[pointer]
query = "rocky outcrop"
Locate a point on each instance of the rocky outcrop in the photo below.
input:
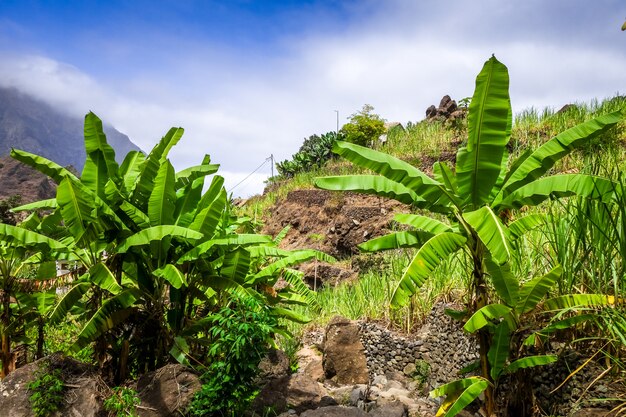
(344, 354)
(447, 112)
(166, 391)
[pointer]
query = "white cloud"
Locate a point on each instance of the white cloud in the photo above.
(241, 108)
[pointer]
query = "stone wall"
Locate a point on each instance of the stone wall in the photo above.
(440, 343)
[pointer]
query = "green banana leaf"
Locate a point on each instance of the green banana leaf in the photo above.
(444, 175)
(525, 224)
(503, 280)
(162, 202)
(396, 240)
(290, 315)
(427, 224)
(578, 300)
(131, 169)
(150, 167)
(18, 236)
(230, 241)
(395, 170)
(459, 394)
(49, 204)
(189, 175)
(96, 143)
(172, 275)
(534, 290)
(296, 257)
(544, 158)
(236, 265)
(43, 165)
(95, 175)
(491, 232)
(499, 350)
(529, 362)
(563, 185)
(370, 184)
(207, 220)
(428, 257)
(77, 209)
(489, 127)
(295, 279)
(42, 301)
(559, 325)
(485, 315)
(155, 234)
(114, 311)
(102, 276)
(69, 300)
(187, 199)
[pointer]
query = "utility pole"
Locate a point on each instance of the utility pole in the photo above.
(272, 163)
(337, 131)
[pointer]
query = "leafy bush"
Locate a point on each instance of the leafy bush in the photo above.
(364, 127)
(47, 392)
(122, 402)
(239, 339)
(313, 153)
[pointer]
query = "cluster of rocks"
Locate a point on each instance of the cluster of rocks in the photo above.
(447, 112)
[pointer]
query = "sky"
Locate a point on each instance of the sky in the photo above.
(248, 78)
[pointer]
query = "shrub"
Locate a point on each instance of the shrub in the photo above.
(46, 392)
(364, 127)
(239, 339)
(122, 402)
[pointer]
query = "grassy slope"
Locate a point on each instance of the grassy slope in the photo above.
(424, 143)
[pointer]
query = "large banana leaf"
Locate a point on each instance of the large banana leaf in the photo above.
(95, 175)
(428, 257)
(499, 350)
(395, 170)
(534, 290)
(485, 316)
(43, 165)
(503, 281)
(427, 224)
(68, 301)
(369, 184)
(172, 275)
(491, 232)
(542, 159)
(529, 362)
(150, 167)
(77, 208)
(413, 239)
(294, 278)
(459, 394)
(96, 144)
(444, 175)
(162, 202)
(559, 325)
(102, 276)
(39, 301)
(230, 241)
(489, 128)
(207, 220)
(157, 233)
(189, 175)
(187, 199)
(524, 224)
(18, 236)
(578, 300)
(236, 265)
(49, 204)
(114, 311)
(131, 169)
(563, 185)
(296, 257)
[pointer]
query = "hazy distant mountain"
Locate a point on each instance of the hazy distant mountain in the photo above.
(31, 125)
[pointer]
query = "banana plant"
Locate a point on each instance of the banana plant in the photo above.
(157, 251)
(475, 197)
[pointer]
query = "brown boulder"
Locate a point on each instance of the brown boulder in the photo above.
(298, 391)
(335, 411)
(167, 391)
(344, 355)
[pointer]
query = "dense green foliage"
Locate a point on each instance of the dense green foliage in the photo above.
(239, 338)
(46, 392)
(475, 198)
(364, 127)
(314, 153)
(123, 402)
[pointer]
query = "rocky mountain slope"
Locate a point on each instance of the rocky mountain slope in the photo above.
(34, 126)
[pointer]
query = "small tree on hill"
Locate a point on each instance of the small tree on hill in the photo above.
(364, 127)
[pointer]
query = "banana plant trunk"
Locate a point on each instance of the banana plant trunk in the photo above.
(484, 338)
(6, 338)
